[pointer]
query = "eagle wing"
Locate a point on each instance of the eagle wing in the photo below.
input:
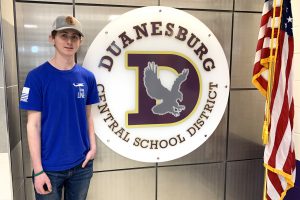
(152, 83)
(179, 80)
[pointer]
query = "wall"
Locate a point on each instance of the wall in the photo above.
(11, 173)
(229, 164)
(5, 171)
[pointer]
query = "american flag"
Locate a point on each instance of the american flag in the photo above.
(272, 75)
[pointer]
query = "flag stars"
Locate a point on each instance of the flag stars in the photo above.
(289, 19)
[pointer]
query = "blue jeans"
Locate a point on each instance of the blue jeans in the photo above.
(75, 182)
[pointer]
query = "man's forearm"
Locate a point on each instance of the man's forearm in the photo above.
(34, 140)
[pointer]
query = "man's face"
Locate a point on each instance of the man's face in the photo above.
(67, 42)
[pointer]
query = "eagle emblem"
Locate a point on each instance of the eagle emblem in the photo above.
(168, 99)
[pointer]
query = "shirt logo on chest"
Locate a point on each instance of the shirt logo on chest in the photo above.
(80, 94)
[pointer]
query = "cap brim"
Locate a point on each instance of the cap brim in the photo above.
(65, 28)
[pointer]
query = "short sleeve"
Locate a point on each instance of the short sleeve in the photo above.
(92, 96)
(31, 96)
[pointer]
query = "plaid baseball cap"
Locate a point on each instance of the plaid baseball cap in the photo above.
(67, 22)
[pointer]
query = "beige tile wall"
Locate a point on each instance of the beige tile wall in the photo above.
(11, 167)
(5, 174)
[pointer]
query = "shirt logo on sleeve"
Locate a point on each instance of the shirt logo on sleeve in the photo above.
(25, 94)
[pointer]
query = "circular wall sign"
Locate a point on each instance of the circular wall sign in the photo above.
(163, 83)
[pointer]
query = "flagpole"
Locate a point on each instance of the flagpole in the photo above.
(265, 185)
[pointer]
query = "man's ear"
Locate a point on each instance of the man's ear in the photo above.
(51, 40)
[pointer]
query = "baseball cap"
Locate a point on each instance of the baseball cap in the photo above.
(67, 22)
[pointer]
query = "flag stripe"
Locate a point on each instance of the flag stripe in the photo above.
(273, 185)
(278, 115)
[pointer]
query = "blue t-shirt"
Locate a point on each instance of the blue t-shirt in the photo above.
(61, 96)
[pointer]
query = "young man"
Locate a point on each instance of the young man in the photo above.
(58, 95)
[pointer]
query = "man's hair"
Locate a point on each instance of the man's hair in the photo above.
(53, 33)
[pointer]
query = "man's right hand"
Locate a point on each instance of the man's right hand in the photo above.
(41, 183)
